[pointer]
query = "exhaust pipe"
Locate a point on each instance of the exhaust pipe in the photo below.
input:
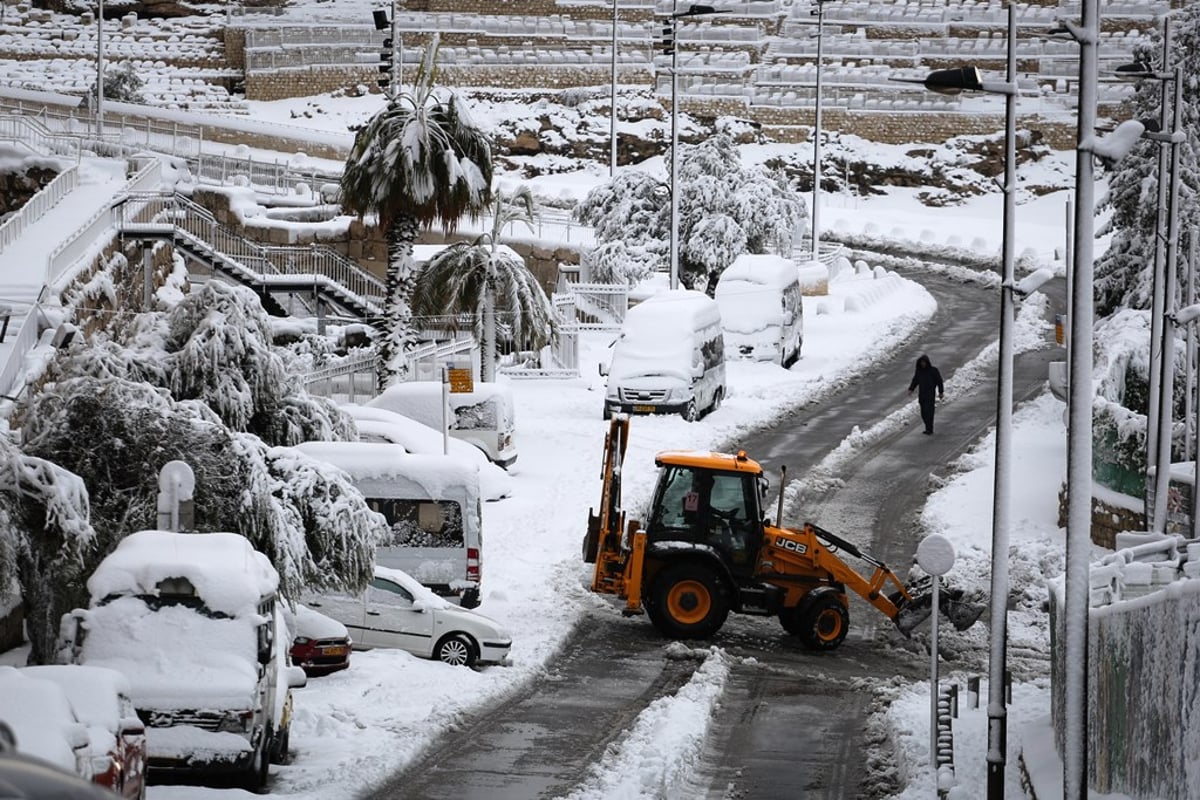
(782, 480)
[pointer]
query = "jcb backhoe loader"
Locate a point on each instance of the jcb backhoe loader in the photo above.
(706, 550)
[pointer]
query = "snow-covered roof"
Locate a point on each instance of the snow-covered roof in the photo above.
(657, 335)
(414, 587)
(227, 573)
(388, 470)
(765, 269)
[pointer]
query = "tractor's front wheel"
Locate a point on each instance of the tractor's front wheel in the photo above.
(688, 601)
(821, 620)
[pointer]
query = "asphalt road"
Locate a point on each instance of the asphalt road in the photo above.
(792, 722)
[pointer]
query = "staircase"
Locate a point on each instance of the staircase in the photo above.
(275, 273)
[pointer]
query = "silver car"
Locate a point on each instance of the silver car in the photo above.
(397, 611)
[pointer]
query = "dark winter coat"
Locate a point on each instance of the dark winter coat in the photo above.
(926, 380)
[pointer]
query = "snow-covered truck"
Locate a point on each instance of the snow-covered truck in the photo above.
(190, 619)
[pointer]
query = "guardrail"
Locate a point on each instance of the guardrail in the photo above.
(37, 206)
(90, 232)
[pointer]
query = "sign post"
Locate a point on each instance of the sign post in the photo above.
(935, 554)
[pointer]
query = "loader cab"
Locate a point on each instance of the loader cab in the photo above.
(711, 500)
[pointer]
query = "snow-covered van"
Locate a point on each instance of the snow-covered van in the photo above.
(483, 417)
(189, 619)
(762, 309)
(431, 504)
(669, 358)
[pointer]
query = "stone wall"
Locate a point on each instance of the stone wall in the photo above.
(364, 244)
(1107, 519)
(17, 188)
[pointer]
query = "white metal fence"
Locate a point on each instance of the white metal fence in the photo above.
(37, 206)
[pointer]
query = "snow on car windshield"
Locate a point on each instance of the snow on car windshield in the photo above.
(154, 648)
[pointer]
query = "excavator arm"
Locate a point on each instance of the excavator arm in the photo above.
(908, 606)
(617, 554)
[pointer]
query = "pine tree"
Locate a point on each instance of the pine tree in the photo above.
(1124, 274)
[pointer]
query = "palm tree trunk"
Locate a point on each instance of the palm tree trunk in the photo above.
(487, 367)
(397, 334)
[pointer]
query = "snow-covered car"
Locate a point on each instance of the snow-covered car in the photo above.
(396, 611)
(382, 425)
(42, 723)
(190, 620)
(26, 777)
(100, 699)
(320, 644)
(484, 417)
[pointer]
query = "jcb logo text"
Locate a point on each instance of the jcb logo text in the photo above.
(788, 544)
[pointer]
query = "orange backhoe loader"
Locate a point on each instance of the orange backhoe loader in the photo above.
(706, 550)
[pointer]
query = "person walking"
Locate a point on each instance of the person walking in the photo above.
(926, 380)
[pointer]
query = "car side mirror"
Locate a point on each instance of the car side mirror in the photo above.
(698, 371)
(296, 677)
(602, 368)
(418, 606)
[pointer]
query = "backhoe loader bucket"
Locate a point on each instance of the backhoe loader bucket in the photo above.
(961, 612)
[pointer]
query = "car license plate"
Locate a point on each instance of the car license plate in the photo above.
(336, 650)
(644, 409)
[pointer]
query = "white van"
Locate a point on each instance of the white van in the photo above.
(670, 357)
(191, 620)
(762, 309)
(431, 503)
(483, 417)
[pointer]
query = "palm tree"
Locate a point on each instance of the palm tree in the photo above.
(483, 276)
(419, 161)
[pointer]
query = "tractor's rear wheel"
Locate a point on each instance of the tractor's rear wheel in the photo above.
(688, 601)
(822, 620)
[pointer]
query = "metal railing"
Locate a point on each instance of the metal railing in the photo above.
(30, 133)
(348, 381)
(37, 206)
(26, 338)
(85, 237)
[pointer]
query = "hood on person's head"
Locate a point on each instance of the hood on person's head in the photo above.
(923, 362)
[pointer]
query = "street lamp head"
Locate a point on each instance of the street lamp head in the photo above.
(1188, 314)
(1032, 282)
(1112, 148)
(700, 10)
(954, 81)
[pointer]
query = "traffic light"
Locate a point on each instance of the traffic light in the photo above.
(385, 65)
(668, 37)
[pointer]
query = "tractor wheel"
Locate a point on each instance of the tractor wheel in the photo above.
(823, 620)
(688, 602)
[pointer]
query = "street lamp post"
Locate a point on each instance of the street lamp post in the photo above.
(612, 122)
(693, 11)
(99, 69)
(816, 204)
(1079, 414)
(1158, 294)
(1162, 474)
(954, 81)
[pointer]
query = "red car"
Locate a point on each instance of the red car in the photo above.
(320, 645)
(99, 698)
